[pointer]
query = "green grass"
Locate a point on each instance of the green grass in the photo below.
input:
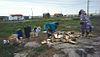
(9, 50)
(6, 29)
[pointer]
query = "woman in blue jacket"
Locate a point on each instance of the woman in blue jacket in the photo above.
(50, 28)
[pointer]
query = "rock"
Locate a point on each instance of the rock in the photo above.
(84, 41)
(64, 45)
(70, 52)
(97, 54)
(32, 44)
(89, 49)
(97, 39)
(20, 54)
(96, 43)
(60, 54)
(81, 52)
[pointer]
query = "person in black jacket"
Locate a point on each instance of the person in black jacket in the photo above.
(27, 31)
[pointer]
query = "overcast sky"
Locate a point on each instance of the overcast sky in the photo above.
(39, 7)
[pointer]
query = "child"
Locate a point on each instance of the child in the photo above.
(38, 29)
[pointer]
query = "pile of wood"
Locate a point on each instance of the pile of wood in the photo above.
(13, 40)
(69, 37)
(66, 37)
(48, 42)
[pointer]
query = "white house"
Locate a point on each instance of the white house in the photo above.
(16, 17)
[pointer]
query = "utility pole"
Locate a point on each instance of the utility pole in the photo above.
(32, 13)
(88, 7)
(99, 12)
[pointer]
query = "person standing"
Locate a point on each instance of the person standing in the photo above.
(27, 31)
(85, 23)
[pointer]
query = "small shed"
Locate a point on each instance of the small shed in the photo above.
(46, 15)
(58, 15)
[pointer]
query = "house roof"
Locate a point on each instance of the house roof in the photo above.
(16, 15)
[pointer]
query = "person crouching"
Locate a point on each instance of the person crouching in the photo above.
(50, 28)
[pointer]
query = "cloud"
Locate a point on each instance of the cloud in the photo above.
(15, 7)
(39, 7)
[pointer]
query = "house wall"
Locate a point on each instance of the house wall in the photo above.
(4, 18)
(16, 17)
